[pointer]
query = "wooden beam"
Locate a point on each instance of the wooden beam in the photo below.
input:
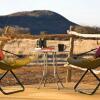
(88, 36)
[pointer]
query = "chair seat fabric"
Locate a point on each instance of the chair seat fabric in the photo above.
(90, 63)
(7, 65)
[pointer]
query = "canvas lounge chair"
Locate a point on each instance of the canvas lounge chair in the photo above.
(8, 66)
(89, 64)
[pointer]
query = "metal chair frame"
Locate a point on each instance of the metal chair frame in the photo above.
(16, 78)
(18, 81)
(88, 70)
(78, 83)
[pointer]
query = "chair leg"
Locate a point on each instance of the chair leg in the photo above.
(94, 90)
(7, 93)
(4, 75)
(97, 84)
(80, 80)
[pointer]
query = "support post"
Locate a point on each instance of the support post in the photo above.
(68, 79)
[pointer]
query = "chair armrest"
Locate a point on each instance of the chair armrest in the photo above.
(18, 55)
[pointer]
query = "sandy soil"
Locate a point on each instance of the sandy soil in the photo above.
(49, 93)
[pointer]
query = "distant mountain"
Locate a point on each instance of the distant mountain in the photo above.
(37, 21)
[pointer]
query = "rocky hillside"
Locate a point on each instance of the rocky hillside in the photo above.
(37, 21)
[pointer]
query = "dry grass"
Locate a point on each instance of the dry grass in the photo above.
(30, 75)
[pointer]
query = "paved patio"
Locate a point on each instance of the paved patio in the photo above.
(49, 93)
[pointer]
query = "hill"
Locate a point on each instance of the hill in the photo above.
(37, 21)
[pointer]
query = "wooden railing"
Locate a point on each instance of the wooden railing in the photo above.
(73, 36)
(81, 35)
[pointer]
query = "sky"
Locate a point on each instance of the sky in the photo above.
(83, 12)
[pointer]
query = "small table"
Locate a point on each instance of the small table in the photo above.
(45, 52)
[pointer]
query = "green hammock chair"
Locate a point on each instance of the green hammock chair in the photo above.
(10, 65)
(89, 64)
